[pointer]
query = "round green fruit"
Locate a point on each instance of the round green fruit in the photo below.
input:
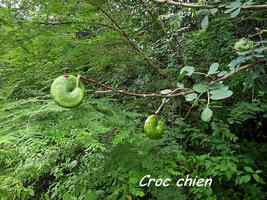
(153, 128)
(67, 91)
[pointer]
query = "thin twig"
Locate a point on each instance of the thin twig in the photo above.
(125, 35)
(103, 91)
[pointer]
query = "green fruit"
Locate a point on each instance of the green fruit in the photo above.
(67, 91)
(244, 45)
(153, 128)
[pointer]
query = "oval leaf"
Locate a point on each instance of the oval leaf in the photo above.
(213, 68)
(165, 92)
(187, 70)
(235, 13)
(248, 169)
(200, 88)
(221, 93)
(191, 97)
(258, 178)
(244, 179)
(206, 114)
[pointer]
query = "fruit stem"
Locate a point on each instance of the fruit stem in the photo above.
(77, 80)
(165, 100)
(208, 98)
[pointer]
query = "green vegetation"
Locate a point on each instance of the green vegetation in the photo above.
(190, 75)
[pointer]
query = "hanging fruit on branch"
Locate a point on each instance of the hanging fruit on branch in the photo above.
(67, 91)
(154, 128)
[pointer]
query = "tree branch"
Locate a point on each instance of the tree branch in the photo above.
(200, 6)
(174, 92)
(255, 7)
(110, 89)
(186, 5)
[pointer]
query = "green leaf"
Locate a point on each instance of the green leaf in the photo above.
(200, 88)
(244, 179)
(187, 70)
(216, 86)
(235, 13)
(233, 5)
(234, 8)
(221, 93)
(213, 69)
(191, 97)
(248, 169)
(205, 22)
(258, 179)
(206, 114)
(165, 92)
(236, 4)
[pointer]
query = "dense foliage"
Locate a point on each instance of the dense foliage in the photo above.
(204, 60)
